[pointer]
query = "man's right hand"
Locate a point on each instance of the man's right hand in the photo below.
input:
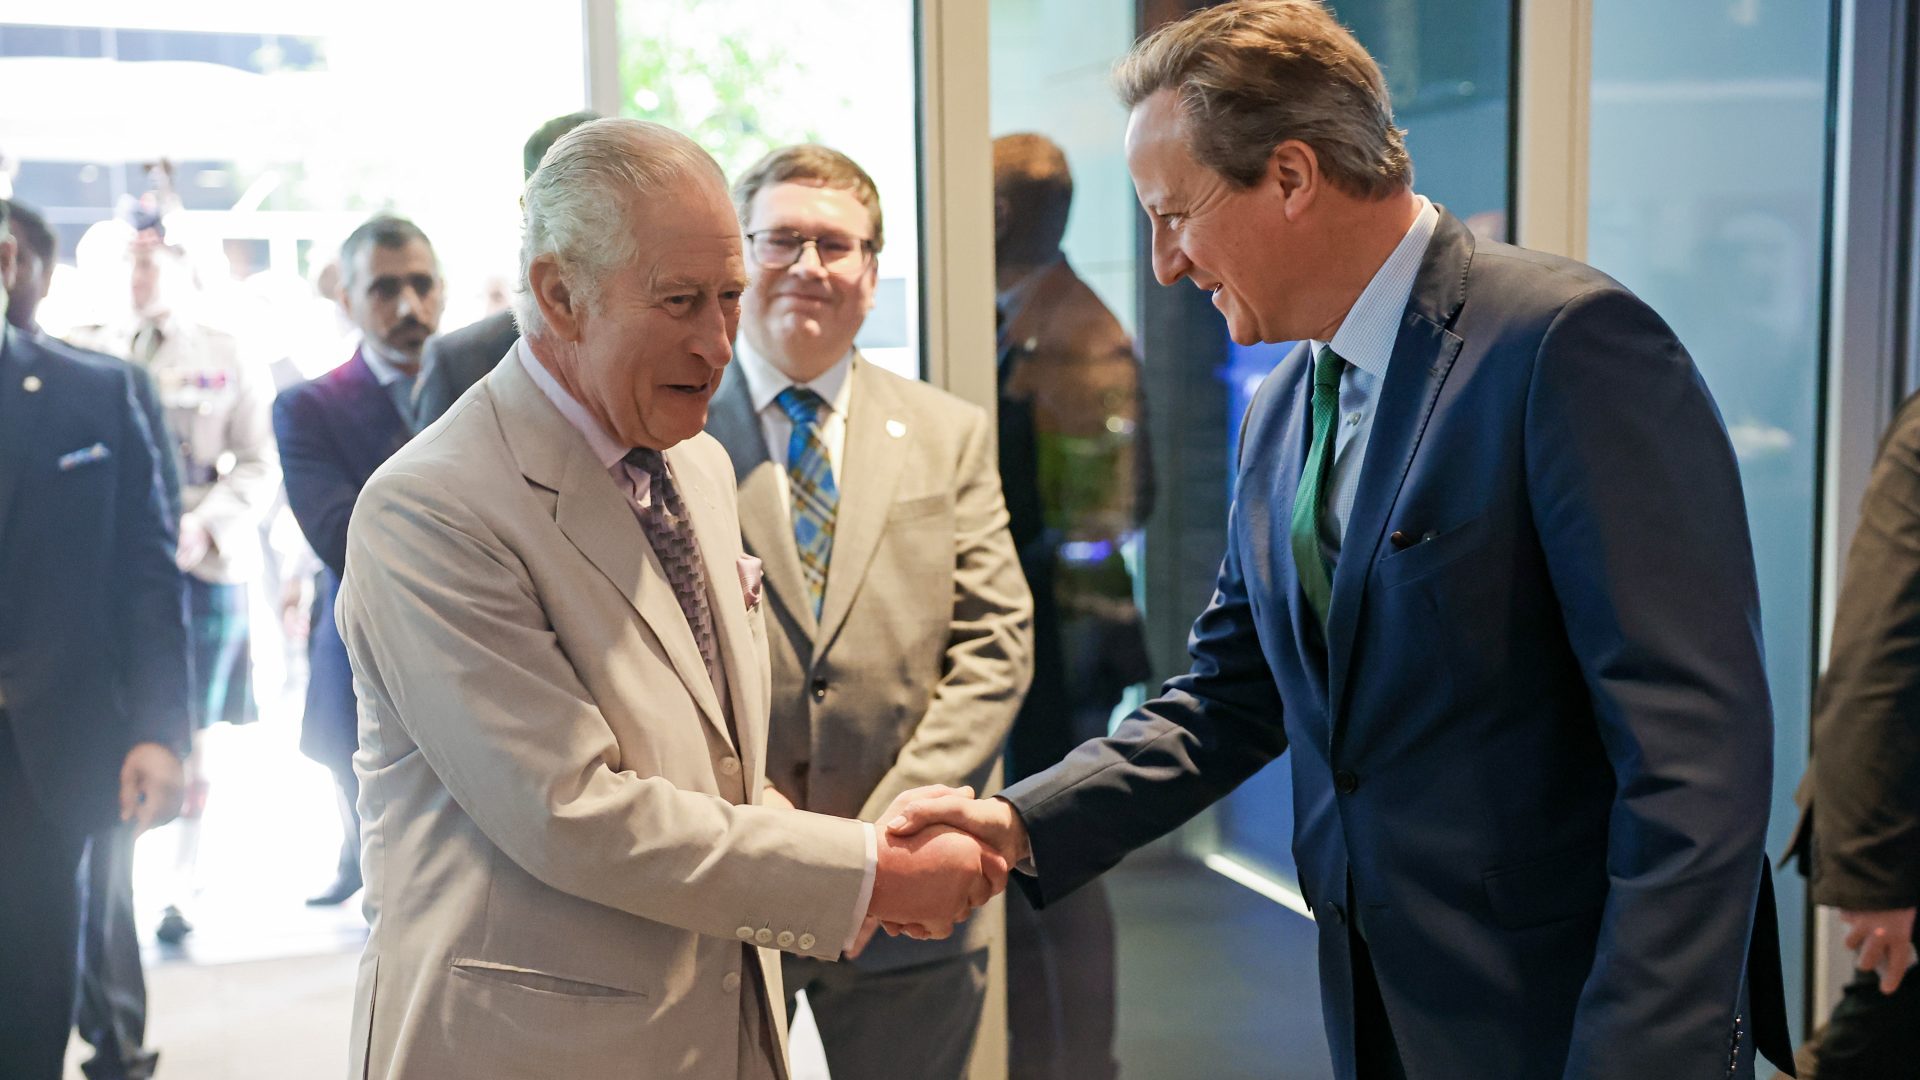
(1882, 941)
(929, 881)
(994, 821)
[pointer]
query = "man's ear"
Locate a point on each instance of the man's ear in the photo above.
(558, 306)
(1293, 175)
(9, 261)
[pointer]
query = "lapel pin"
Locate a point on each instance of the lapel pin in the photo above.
(31, 384)
(896, 429)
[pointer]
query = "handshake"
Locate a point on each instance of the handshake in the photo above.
(942, 853)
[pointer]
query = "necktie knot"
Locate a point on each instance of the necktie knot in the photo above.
(1327, 368)
(647, 460)
(801, 405)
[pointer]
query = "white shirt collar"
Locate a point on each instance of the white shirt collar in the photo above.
(606, 450)
(1366, 336)
(382, 366)
(764, 381)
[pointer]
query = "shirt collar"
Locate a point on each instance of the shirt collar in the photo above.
(382, 367)
(1365, 338)
(764, 381)
(606, 450)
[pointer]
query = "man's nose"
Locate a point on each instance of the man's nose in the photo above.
(809, 263)
(713, 341)
(1170, 264)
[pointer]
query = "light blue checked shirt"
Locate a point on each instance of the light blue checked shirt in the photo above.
(1365, 341)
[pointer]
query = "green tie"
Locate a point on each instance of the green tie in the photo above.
(1316, 573)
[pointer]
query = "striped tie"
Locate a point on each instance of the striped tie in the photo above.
(815, 497)
(670, 531)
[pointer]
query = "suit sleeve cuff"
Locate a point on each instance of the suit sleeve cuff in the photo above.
(866, 886)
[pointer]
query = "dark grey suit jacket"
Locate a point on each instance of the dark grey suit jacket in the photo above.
(924, 646)
(456, 360)
(1862, 790)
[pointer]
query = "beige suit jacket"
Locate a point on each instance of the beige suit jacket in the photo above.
(924, 645)
(218, 404)
(560, 854)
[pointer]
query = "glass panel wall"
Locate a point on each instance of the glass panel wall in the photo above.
(746, 76)
(1708, 198)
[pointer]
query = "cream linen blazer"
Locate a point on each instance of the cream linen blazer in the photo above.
(561, 852)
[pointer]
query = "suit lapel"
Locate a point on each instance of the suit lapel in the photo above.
(367, 422)
(870, 471)
(1423, 354)
(593, 513)
(20, 413)
(724, 597)
(766, 525)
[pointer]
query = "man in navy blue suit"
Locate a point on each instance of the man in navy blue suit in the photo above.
(93, 662)
(1488, 578)
(334, 431)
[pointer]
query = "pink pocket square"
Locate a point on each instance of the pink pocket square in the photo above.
(749, 568)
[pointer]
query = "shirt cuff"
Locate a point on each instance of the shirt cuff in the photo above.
(866, 886)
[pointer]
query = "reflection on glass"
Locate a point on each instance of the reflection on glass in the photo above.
(1708, 197)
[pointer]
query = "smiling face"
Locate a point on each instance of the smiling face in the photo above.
(645, 356)
(1240, 244)
(803, 318)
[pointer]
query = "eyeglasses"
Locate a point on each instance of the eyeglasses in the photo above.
(778, 249)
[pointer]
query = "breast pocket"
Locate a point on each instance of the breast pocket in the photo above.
(1430, 556)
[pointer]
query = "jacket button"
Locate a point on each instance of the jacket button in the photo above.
(731, 984)
(763, 936)
(730, 766)
(1345, 782)
(807, 941)
(819, 689)
(785, 940)
(745, 933)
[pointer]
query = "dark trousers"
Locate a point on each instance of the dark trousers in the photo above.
(347, 786)
(1060, 987)
(40, 894)
(1870, 1035)
(113, 988)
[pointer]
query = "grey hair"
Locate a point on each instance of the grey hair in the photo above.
(575, 207)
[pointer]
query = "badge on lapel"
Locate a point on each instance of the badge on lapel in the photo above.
(749, 569)
(86, 456)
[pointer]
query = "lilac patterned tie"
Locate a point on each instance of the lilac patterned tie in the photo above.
(664, 519)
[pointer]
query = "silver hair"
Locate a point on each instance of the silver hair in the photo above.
(575, 207)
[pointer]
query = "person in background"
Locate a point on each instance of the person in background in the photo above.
(1859, 834)
(112, 1012)
(93, 663)
(334, 431)
(900, 627)
(216, 410)
(456, 360)
(1075, 462)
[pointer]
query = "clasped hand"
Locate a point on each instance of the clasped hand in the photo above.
(942, 854)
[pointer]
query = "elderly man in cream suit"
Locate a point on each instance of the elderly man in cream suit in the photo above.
(902, 635)
(560, 654)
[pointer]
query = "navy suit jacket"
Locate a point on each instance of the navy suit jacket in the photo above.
(1532, 751)
(93, 639)
(334, 431)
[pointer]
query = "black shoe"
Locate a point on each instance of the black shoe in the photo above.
(174, 927)
(137, 1066)
(339, 892)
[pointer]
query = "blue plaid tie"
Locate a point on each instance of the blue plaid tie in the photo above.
(815, 496)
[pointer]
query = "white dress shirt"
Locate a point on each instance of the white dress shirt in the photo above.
(638, 487)
(1365, 341)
